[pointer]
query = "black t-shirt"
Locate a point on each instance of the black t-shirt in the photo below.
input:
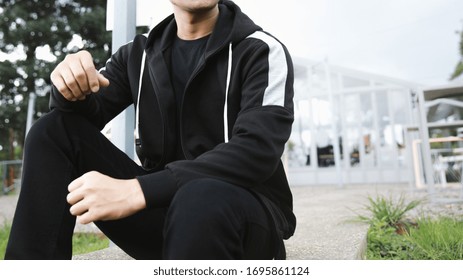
(185, 57)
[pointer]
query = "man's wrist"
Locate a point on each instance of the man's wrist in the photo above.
(137, 197)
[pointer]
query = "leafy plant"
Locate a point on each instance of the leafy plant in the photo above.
(387, 212)
(393, 237)
(386, 237)
(385, 243)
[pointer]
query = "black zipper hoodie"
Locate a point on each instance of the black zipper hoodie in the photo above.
(234, 121)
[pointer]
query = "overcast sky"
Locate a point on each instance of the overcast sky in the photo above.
(412, 40)
(407, 39)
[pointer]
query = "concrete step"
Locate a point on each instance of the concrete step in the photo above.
(356, 251)
(111, 253)
(326, 229)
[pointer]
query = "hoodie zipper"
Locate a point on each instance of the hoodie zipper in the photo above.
(197, 70)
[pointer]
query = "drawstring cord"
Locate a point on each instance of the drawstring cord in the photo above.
(225, 107)
(137, 111)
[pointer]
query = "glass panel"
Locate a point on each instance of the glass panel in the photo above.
(353, 113)
(359, 129)
(399, 106)
(387, 141)
(323, 117)
(350, 82)
(366, 148)
(402, 115)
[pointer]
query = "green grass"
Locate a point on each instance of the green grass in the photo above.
(4, 233)
(81, 242)
(393, 236)
(439, 239)
(88, 242)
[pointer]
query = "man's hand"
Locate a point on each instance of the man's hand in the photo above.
(76, 76)
(97, 197)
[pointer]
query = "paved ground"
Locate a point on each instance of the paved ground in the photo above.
(325, 231)
(327, 227)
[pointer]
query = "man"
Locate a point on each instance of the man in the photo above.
(213, 96)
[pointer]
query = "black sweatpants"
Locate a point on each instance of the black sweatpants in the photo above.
(207, 218)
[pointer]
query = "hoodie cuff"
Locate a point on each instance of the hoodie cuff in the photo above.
(158, 188)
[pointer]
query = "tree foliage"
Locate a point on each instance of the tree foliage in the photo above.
(459, 67)
(31, 27)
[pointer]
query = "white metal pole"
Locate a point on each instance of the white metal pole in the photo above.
(30, 111)
(123, 31)
(425, 145)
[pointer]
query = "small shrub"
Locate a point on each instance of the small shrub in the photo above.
(388, 212)
(392, 237)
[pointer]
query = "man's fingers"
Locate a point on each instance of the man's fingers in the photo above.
(74, 185)
(80, 77)
(64, 80)
(76, 76)
(75, 193)
(86, 218)
(102, 80)
(79, 208)
(98, 81)
(75, 196)
(59, 83)
(94, 79)
(91, 75)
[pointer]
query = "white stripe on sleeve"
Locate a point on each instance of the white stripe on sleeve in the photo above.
(278, 70)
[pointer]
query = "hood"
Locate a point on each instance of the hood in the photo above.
(235, 22)
(232, 26)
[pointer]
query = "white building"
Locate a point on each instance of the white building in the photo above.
(349, 126)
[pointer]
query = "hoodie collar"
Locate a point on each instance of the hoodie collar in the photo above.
(232, 26)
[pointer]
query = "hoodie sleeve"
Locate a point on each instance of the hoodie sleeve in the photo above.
(258, 136)
(104, 105)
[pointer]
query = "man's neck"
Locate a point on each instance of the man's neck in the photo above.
(191, 26)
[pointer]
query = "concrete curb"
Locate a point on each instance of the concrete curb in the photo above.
(111, 253)
(115, 253)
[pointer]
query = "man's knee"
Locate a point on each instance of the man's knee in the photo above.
(41, 128)
(56, 125)
(216, 219)
(204, 204)
(206, 197)
(48, 123)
